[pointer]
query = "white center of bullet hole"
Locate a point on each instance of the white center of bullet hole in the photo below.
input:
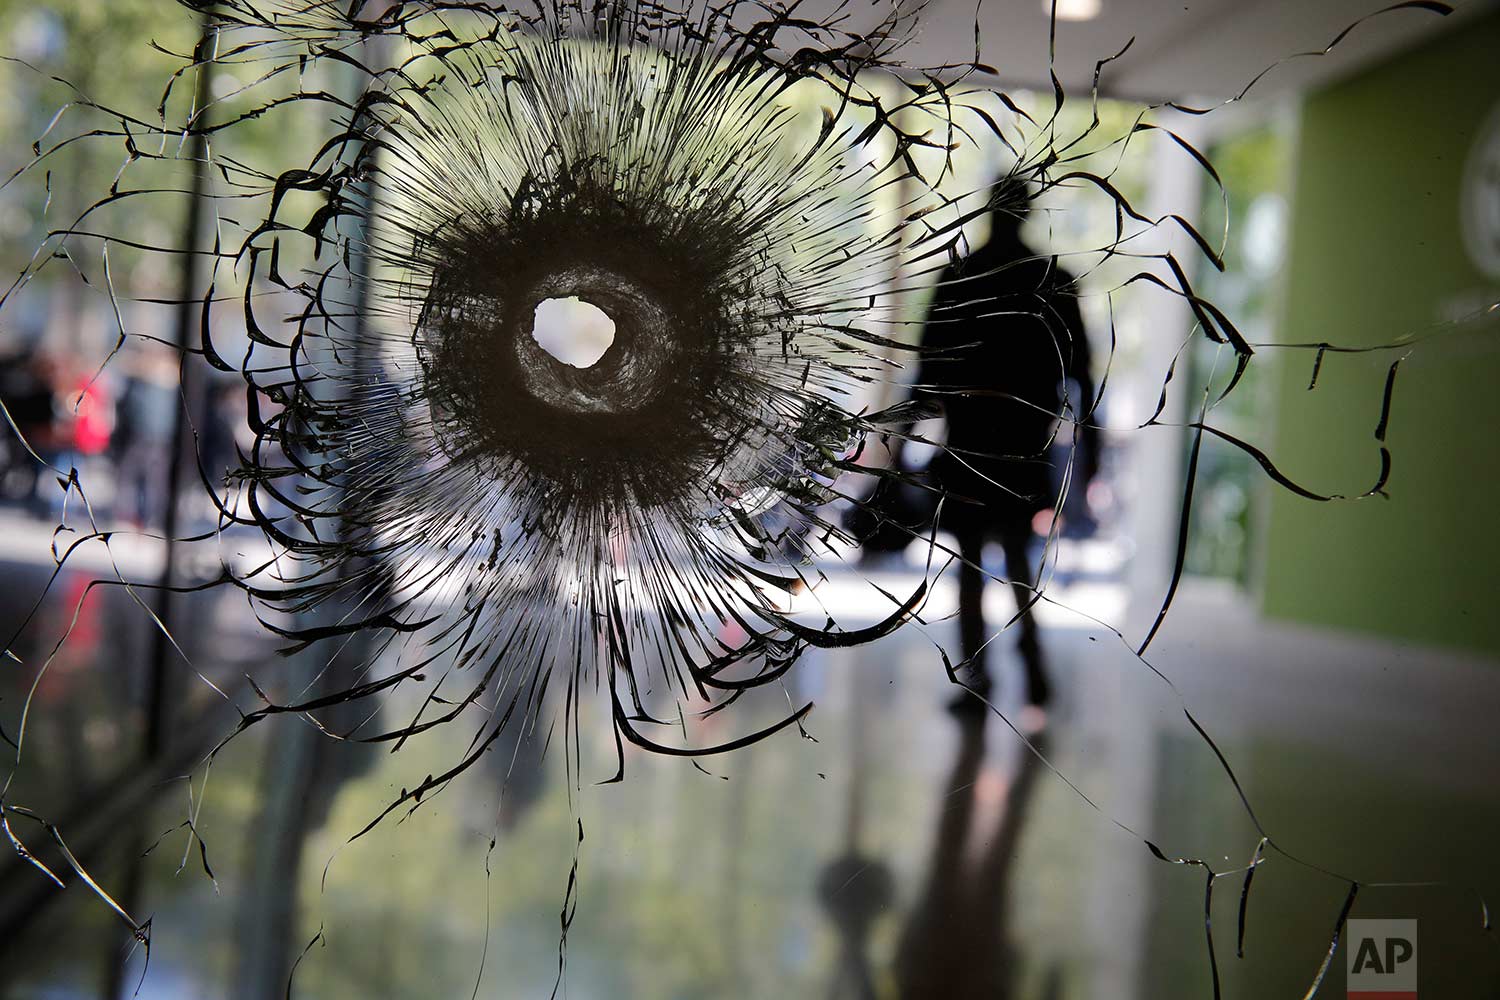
(573, 331)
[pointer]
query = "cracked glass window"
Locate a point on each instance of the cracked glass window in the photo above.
(840, 499)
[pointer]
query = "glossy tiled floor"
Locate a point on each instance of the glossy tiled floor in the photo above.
(897, 853)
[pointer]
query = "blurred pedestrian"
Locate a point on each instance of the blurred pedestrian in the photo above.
(26, 390)
(143, 434)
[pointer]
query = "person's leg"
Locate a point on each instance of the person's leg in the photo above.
(971, 631)
(1015, 540)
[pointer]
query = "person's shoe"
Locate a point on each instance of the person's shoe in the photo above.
(1032, 720)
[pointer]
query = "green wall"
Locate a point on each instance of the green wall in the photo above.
(1376, 253)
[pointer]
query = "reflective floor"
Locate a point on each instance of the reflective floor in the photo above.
(898, 852)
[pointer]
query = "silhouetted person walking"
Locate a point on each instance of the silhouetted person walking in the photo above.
(1002, 338)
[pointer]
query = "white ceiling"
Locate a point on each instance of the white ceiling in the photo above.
(1184, 49)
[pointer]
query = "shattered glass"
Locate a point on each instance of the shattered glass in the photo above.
(432, 554)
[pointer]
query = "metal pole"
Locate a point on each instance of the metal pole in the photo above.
(183, 454)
